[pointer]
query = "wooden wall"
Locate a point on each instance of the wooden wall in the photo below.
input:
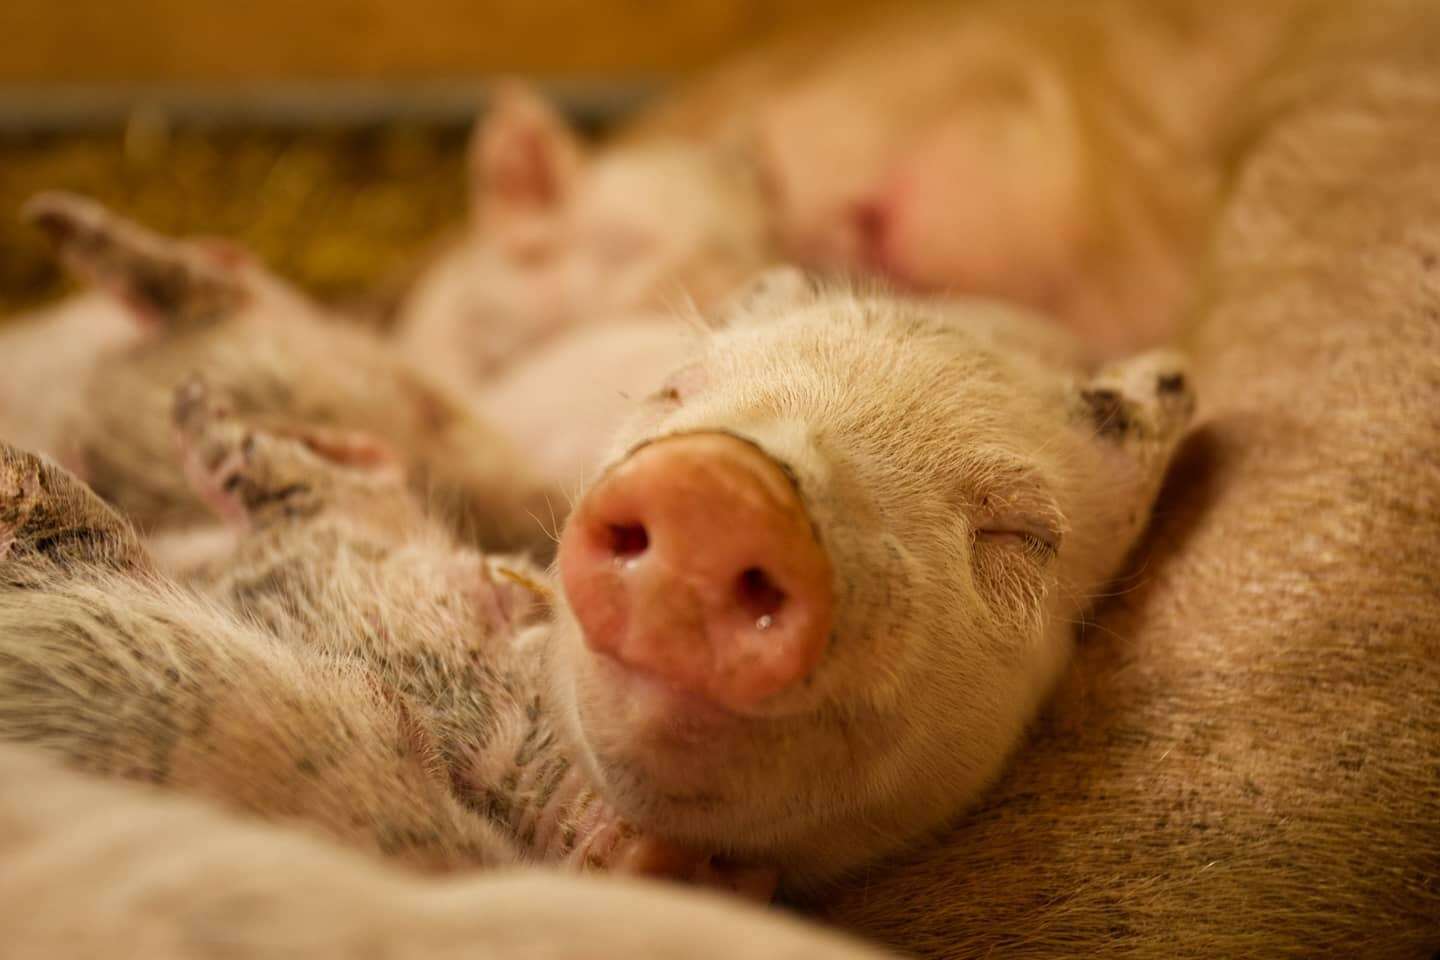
(239, 42)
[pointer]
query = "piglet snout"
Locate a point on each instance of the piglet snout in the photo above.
(694, 563)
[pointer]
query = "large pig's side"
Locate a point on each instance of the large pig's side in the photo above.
(103, 869)
(1244, 762)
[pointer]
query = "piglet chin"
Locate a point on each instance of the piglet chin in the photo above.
(659, 707)
(613, 845)
(583, 832)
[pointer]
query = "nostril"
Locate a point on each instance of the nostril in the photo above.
(628, 540)
(758, 596)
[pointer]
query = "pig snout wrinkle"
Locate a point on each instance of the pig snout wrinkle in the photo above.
(694, 562)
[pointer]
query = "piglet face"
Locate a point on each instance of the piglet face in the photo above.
(561, 239)
(830, 576)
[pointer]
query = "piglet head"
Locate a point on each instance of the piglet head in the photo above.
(830, 575)
(562, 235)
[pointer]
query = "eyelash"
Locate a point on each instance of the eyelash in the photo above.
(1035, 547)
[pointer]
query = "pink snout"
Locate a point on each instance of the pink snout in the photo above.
(694, 563)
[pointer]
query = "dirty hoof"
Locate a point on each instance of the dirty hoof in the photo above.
(253, 473)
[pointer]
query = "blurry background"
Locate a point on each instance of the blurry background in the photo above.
(327, 135)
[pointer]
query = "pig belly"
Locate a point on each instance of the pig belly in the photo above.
(562, 405)
(45, 360)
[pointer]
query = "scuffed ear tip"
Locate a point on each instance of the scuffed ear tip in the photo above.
(1174, 386)
(1153, 388)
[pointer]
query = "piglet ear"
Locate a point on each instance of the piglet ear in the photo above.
(524, 159)
(165, 282)
(1144, 401)
(1140, 410)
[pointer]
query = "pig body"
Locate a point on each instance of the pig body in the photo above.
(91, 868)
(1064, 156)
(347, 667)
(563, 402)
(47, 355)
(123, 673)
(273, 355)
